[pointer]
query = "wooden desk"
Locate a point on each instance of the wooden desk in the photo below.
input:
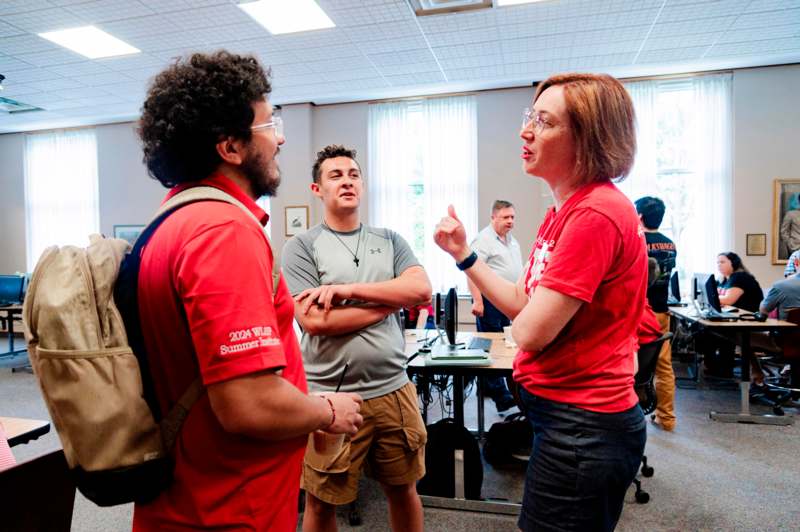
(502, 361)
(11, 311)
(20, 430)
(742, 331)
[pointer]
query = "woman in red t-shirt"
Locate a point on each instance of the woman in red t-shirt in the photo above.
(577, 306)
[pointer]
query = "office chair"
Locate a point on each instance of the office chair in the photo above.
(38, 495)
(646, 391)
(782, 390)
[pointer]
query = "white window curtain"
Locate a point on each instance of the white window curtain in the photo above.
(433, 143)
(699, 197)
(61, 190)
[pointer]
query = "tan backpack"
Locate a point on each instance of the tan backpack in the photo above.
(89, 373)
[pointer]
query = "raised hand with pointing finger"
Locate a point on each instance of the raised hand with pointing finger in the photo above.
(451, 236)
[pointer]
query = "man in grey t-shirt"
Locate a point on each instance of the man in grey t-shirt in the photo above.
(349, 282)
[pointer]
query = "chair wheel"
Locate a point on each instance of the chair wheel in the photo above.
(777, 410)
(647, 471)
(642, 497)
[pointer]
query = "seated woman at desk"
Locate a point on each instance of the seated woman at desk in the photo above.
(738, 287)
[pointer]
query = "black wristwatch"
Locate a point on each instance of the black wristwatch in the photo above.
(468, 262)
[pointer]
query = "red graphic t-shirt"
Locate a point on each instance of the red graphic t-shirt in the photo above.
(592, 249)
(210, 264)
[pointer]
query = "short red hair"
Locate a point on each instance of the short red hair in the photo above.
(602, 121)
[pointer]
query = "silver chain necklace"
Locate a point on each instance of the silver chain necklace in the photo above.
(358, 242)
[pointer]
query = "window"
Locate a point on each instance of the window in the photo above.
(61, 197)
(684, 157)
(422, 158)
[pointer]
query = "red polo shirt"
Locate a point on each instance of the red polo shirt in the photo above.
(592, 249)
(210, 264)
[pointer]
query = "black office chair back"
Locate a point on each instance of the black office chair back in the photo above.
(643, 381)
(37, 496)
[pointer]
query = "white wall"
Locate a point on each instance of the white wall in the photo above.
(128, 196)
(766, 114)
(766, 128)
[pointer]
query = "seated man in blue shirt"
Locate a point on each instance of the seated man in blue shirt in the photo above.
(782, 296)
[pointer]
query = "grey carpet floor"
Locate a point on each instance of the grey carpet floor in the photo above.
(708, 475)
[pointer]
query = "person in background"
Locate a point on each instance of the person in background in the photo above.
(577, 306)
(350, 281)
(419, 317)
(208, 306)
(738, 287)
(783, 296)
(792, 264)
(649, 329)
(497, 247)
(651, 213)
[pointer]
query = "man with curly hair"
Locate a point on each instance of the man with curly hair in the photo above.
(350, 282)
(208, 307)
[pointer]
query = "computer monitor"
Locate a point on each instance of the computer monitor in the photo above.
(674, 287)
(698, 288)
(437, 309)
(451, 316)
(712, 296)
(11, 289)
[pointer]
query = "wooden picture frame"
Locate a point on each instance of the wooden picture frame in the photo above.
(756, 244)
(128, 232)
(785, 219)
(295, 219)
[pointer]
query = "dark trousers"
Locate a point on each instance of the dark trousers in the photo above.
(581, 466)
(493, 321)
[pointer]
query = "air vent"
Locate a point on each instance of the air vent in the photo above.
(7, 105)
(437, 7)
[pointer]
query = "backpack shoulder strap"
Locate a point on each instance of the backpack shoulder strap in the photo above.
(205, 193)
(172, 422)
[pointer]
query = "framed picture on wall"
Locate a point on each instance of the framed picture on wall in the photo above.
(128, 232)
(785, 219)
(296, 219)
(756, 244)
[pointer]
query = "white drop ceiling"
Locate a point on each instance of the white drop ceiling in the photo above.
(378, 49)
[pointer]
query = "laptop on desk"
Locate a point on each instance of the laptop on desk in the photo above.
(714, 310)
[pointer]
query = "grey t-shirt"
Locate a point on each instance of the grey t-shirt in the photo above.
(376, 354)
(784, 295)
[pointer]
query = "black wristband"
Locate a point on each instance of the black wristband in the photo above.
(468, 262)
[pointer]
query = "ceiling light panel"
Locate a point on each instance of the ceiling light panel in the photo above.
(90, 42)
(288, 16)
